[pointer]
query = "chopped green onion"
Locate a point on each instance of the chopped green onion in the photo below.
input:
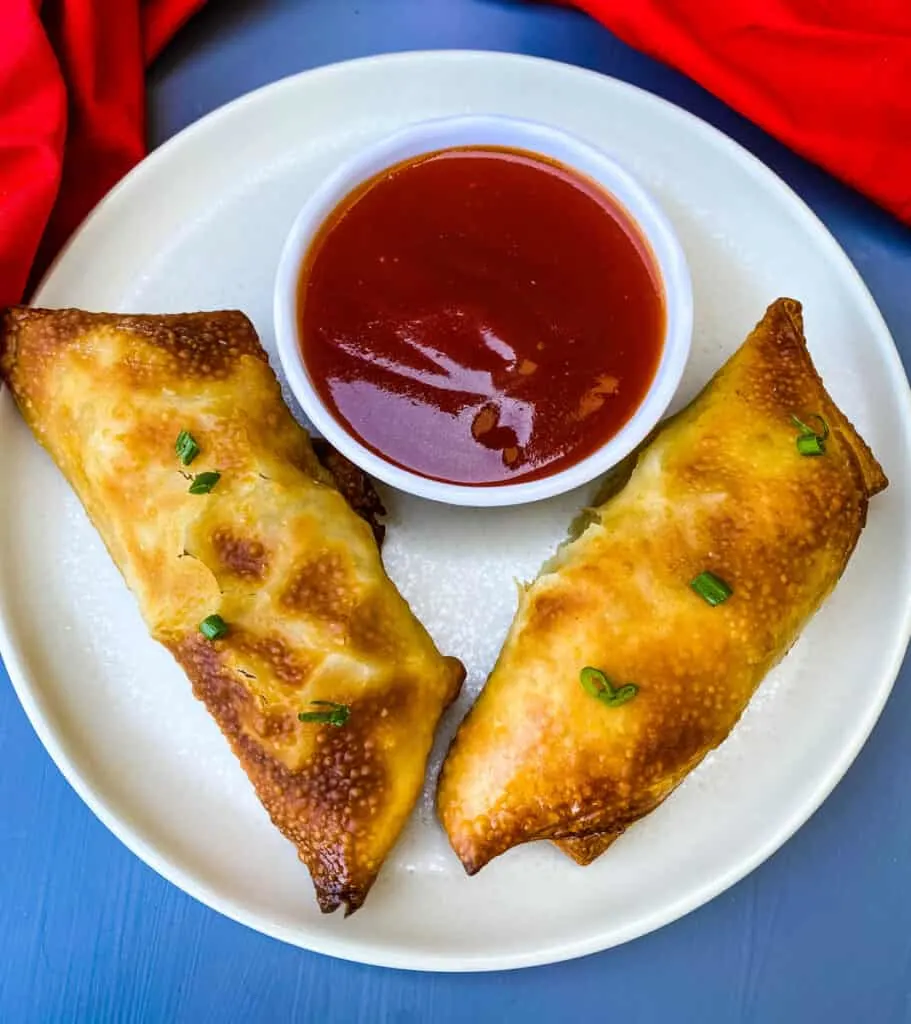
(204, 482)
(711, 588)
(804, 429)
(810, 441)
(186, 447)
(810, 444)
(596, 683)
(213, 627)
(337, 714)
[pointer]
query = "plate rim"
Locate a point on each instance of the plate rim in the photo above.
(361, 951)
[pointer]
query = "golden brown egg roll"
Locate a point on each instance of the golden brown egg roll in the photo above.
(761, 482)
(269, 546)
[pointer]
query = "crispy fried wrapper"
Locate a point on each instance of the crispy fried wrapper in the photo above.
(720, 488)
(273, 548)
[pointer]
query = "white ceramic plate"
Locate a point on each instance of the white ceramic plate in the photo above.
(200, 225)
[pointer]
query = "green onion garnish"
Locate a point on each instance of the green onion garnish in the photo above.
(213, 627)
(810, 441)
(711, 588)
(595, 682)
(804, 429)
(186, 446)
(337, 714)
(204, 482)
(810, 444)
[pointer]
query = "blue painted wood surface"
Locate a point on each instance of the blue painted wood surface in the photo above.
(821, 932)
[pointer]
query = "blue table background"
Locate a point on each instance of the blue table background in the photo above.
(821, 932)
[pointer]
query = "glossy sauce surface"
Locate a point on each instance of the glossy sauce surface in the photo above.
(481, 316)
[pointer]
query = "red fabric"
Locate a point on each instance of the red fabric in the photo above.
(71, 115)
(831, 78)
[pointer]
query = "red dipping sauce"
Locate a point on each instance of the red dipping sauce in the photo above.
(481, 316)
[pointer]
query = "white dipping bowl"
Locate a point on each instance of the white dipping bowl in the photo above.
(514, 133)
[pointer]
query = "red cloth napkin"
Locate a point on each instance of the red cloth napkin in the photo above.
(831, 78)
(71, 115)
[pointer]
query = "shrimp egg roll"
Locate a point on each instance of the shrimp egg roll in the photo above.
(247, 564)
(637, 649)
